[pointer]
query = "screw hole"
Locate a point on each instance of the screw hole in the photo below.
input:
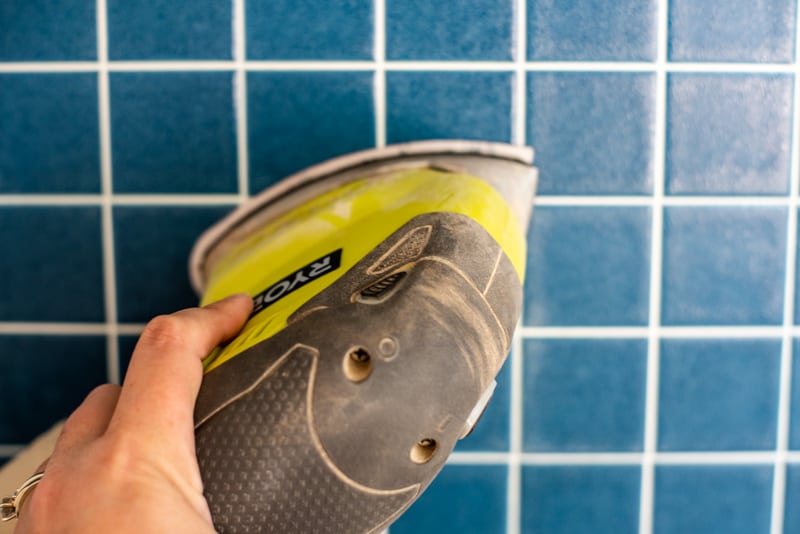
(423, 450)
(357, 364)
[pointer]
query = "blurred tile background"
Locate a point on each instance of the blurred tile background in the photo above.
(654, 386)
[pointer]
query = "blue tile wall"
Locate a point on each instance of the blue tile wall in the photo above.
(296, 119)
(173, 132)
(728, 134)
(588, 266)
(49, 133)
(724, 265)
(792, 517)
(309, 29)
(718, 394)
(491, 432)
(441, 508)
(706, 30)
(588, 139)
(584, 395)
(695, 499)
(580, 498)
(69, 366)
(794, 410)
(56, 273)
(152, 247)
(44, 30)
(427, 29)
(655, 383)
(437, 105)
(592, 30)
(125, 346)
(162, 29)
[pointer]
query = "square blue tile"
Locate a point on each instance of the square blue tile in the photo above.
(152, 247)
(296, 119)
(50, 133)
(441, 105)
(592, 30)
(593, 132)
(173, 132)
(52, 374)
(718, 394)
(588, 266)
(791, 521)
(706, 30)
(165, 29)
(125, 346)
(491, 433)
(465, 499)
(794, 411)
(467, 30)
(699, 499)
(47, 30)
(723, 265)
(53, 270)
(580, 499)
(728, 134)
(309, 29)
(584, 395)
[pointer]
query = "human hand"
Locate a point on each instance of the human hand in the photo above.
(125, 460)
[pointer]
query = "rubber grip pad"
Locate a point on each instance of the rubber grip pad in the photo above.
(290, 440)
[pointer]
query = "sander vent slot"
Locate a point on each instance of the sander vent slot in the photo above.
(382, 288)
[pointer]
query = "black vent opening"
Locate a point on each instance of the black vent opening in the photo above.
(382, 287)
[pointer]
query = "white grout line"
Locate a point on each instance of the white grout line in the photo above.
(486, 66)
(379, 89)
(51, 199)
(516, 422)
(656, 252)
(66, 329)
(784, 392)
(514, 502)
(520, 106)
(240, 100)
(286, 66)
(53, 329)
(109, 277)
(181, 199)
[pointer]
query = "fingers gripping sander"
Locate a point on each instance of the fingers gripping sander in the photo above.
(386, 288)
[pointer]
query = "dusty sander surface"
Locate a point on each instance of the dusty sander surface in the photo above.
(24, 464)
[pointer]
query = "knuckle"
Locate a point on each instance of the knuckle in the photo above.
(164, 331)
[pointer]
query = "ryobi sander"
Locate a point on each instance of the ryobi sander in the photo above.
(386, 286)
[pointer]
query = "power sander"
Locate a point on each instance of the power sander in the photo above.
(386, 287)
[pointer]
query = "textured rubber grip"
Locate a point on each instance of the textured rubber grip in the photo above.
(288, 478)
(337, 423)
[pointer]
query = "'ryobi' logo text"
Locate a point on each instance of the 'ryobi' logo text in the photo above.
(297, 279)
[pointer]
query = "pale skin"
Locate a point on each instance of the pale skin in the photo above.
(125, 461)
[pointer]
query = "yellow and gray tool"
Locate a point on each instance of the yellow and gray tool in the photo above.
(386, 285)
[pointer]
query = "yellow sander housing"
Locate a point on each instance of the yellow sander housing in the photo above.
(386, 285)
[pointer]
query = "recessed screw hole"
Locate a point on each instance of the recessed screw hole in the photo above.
(357, 364)
(423, 450)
